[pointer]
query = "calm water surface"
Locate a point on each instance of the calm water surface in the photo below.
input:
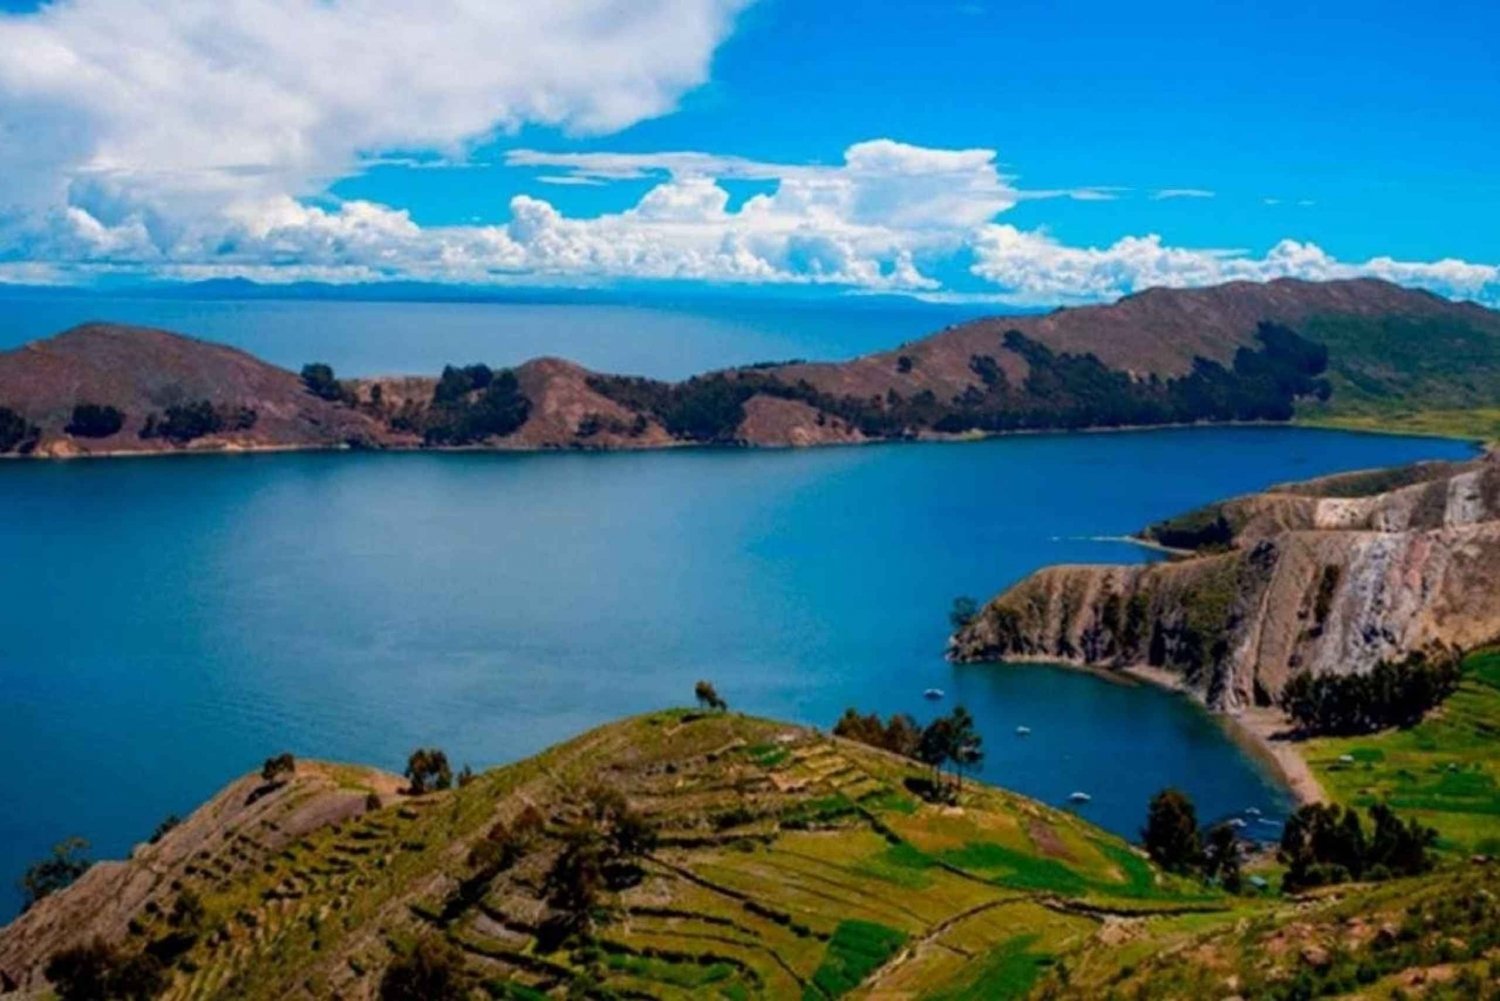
(167, 623)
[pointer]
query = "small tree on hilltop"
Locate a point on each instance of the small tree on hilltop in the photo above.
(708, 696)
(1171, 832)
(274, 768)
(427, 768)
(936, 744)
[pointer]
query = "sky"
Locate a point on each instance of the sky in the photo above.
(1026, 153)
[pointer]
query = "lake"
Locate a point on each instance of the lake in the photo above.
(165, 624)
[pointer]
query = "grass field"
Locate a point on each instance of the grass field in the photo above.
(1445, 770)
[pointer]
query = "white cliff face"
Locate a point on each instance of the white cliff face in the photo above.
(1332, 585)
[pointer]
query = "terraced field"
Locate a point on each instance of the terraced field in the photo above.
(1445, 770)
(786, 864)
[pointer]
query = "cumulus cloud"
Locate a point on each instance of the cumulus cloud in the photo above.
(1032, 267)
(152, 117)
(200, 140)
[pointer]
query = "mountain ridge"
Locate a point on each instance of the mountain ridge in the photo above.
(1243, 351)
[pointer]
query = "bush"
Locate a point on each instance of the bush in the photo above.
(319, 379)
(1323, 844)
(57, 871)
(185, 422)
(459, 417)
(274, 768)
(427, 768)
(91, 420)
(95, 971)
(1395, 693)
(432, 971)
(17, 434)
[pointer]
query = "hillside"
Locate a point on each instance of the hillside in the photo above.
(1354, 353)
(786, 864)
(1330, 576)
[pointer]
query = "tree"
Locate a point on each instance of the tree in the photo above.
(275, 767)
(963, 611)
(95, 971)
(708, 696)
(427, 768)
(1221, 857)
(319, 379)
(576, 880)
(1171, 832)
(936, 744)
(55, 872)
(965, 748)
(432, 971)
(91, 420)
(1323, 844)
(17, 434)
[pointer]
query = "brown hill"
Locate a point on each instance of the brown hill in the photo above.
(1238, 352)
(144, 372)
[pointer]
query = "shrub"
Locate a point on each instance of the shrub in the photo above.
(274, 768)
(319, 380)
(91, 420)
(427, 768)
(57, 871)
(94, 971)
(433, 970)
(1395, 693)
(457, 416)
(185, 422)
(17, 434)
(1324, 844)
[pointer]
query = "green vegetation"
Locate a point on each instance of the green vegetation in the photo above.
(856, 950)
(948, 740)
(1394, 693)
(963, 612)
(17, 434)
(92, 420)
(1325, 844)
(473, 403)
(184, 422)
(98, 972)
(319, 380)
(1443, 771)
(275, 768)
(432, 971)
(708, 697)
(58, 870)
(1171, 836)
(427, 769)
(707, 408)
(1009, 971)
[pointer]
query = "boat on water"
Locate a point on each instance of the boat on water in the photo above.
(1079, 797)
(933, 693)
(1022, 731)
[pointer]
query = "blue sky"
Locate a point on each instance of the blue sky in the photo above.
(1016, 151)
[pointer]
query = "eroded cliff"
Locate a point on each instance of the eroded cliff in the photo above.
(1330, 576)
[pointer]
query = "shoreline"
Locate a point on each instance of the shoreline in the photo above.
(44, 454)
(1254, 729)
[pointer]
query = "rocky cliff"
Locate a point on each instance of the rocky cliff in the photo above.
(1330, 576)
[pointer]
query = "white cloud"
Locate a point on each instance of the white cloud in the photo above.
(1163, 194)
(200, 140)
(162, 116)
(1031, 267)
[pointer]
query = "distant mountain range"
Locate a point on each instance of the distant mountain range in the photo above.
(1243, 351)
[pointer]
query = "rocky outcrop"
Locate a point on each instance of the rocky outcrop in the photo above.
(1308, 581)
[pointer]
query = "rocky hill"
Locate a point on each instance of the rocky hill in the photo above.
(1330, 576)
(1357, 351)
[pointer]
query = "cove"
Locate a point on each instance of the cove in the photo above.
(165, 624)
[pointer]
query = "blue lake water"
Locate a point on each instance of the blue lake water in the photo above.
(657, 338)
(165, 624)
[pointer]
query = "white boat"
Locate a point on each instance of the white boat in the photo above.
(1079, 797)
(933, 693)
(1253, 811)
(1022, 731)
(1236, 823)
